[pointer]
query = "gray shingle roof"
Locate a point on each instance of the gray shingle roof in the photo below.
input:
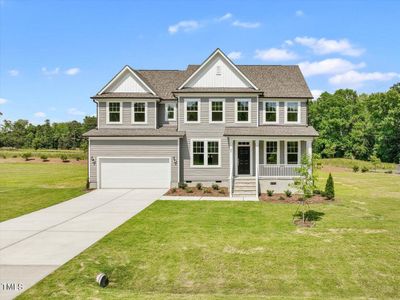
(127, 132)
(278, 130)
(125, 95)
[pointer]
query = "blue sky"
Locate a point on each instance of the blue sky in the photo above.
(56, 54)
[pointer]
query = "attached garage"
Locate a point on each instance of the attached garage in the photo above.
(132, 172)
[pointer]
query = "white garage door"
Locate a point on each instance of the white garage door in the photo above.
(134, 173)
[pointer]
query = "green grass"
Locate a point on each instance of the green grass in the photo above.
(247, 250)
(349, 163)
(26, 187)
(50, 153)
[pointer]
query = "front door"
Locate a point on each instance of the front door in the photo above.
(243, 160)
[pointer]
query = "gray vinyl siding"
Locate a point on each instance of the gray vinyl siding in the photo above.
(127, 115)
(161, 117)
(134, 148)
(281, 112)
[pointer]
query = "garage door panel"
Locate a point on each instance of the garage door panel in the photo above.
(135, 173)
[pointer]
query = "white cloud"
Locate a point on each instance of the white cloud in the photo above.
(316, 93)
(75, 112)
(325, 46)
(184, 26)
(13, 72)
(247, 25)
(299, 13)
(275, 54)
(72, 71)
(356, 79)
(3, 101)
(53, 72)
(328, 66)
(40, 114)
(288, 43)
(235, 55)
(225, 17)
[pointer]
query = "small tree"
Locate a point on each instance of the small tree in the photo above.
(375, 160)
(330, 188)
(305, 182)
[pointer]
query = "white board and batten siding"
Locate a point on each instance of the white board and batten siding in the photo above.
(136, 149)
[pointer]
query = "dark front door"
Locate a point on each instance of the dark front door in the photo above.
(243, 160)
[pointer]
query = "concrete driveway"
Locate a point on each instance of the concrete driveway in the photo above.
(34, 245)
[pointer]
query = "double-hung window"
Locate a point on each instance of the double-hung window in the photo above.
(170, 112)
(292, 152)
(242, 111)
(139, 112)
(114, 112)
(192, 111)
(271, 112)
(217, 111)
(271, 152)
(205, 153)
(292, 112)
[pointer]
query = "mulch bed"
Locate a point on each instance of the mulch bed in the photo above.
(282, 198)
(205, 192)
(35, 160)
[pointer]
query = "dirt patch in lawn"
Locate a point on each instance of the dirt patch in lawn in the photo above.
(204, 192)
(295, 199)
(35, 160)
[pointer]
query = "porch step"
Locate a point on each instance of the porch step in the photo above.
(238, 194)
(244, 186)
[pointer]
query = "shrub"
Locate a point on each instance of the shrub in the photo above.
(4, 156)
(270, 192)
(221, 192)
(173, 190)
(189, 190)
(206, 191)
(329, 188)
(26, 155)
(288, 193)
(389, 172)
(78, 158)
(316, 192)
(215, 186)
(356, 168)
(199, 186)
(281, 198)
(364, 169)
(182, 185)
(43, 157)
(14, 156)
(64, 157)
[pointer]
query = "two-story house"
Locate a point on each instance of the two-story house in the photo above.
(240, 126)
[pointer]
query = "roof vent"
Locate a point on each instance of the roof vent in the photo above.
(219, 70)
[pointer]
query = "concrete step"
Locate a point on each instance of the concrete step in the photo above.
(238, 194)
(245, 183)
(245, 188)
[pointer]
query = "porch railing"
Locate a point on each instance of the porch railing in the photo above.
(278, 170)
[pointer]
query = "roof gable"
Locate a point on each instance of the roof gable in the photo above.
(127, 81)
(217, 71)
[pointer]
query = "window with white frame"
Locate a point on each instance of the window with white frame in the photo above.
(217, 111)
(243, 110)
(205, 153)
(170, 111)
(192, 111)
(114, 112)
(271, 112)
(292, 152)
(292, 112)
(271, 152)
(139, 112)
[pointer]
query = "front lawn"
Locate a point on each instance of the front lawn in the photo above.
(26, 187)
(247, 250)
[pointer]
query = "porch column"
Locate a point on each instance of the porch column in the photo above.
(231, 141)
(309, 152)
(257, 163)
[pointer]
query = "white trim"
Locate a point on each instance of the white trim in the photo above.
(166, 111)
(155, 115)
(298, 152)
(211, 100)
(249, 111)
(178, 113)
(198, 110)
(258, 111)
(157, 138)
(257, 165)
(216, 52)
(298, 112)
(133, 112)
(179, 161)
(278, 153)
(264, 111)
(120, 112)
(237, 159)
(98, 158)
(98, 113)
(205, 140)
(119, 75)
(231, 142)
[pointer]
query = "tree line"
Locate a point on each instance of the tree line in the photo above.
(350, 125)
(358, 126)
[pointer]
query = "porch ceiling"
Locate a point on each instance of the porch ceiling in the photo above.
(275, 131)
